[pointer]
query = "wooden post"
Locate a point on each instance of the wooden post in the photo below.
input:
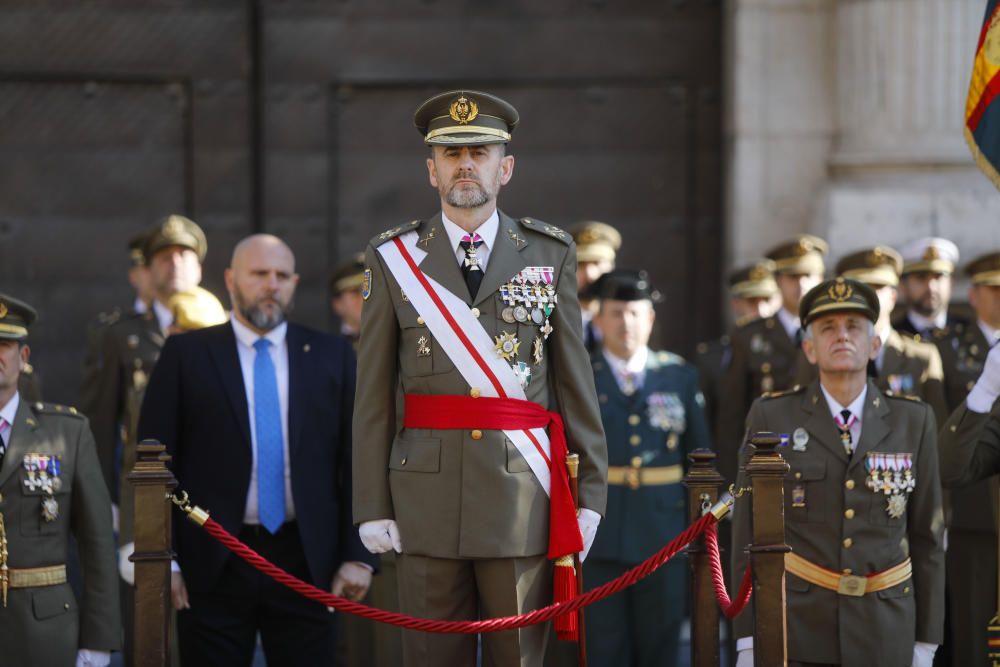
(766, 470)
(702, 482)
(152, 483)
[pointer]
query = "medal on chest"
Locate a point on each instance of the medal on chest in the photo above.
(891, 475)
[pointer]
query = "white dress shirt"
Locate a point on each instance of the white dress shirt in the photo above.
(636, 366)
(245, 338)
(921, 323)
(164, 317)
(991, 335)
(790, 323)
(487, 232)
(139, 306)
(857, 408)
(8, 412)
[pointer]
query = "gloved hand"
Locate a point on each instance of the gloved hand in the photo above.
(923, 654)
(87, 658)
(588, 521)
(987, 388)
(744, 658)
(126, 568)
(380, 536)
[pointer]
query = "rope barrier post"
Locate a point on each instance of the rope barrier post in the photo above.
(702, 482)
(152, 483)
(767, 470)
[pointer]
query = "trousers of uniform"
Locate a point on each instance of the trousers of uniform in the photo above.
(972, 586)
(468, 589)
(220, 629)
(639, 626)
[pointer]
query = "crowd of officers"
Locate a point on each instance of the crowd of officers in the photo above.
(656, 408)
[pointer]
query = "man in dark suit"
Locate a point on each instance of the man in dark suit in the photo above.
(256, 414)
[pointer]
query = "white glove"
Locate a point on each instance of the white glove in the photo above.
(126, 568)
(744, 658)
(588, 521)
(87, 658)
(923, 654)
(380, 536)
(987, 388)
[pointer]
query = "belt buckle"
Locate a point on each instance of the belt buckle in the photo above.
(632, 478)
(852, 585)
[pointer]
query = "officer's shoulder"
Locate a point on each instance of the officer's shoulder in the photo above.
(390, 234)
(771, 395)
(45, 410)
(910, 398)
(545, 229)
(757, 325)
(665, 359)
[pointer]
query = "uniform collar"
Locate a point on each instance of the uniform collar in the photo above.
(9, 411)
(921, 323)
(636, 364)
(487, 231)
(857, 406)
(247, 336)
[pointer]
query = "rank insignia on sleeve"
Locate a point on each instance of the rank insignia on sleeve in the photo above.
(366, 284)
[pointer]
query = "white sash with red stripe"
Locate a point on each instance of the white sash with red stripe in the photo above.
(466, 342)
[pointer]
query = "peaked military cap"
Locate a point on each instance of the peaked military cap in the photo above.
(136, 257)
(753, 281)
(465, 118)
(348, 275)
(623, 285)
(985, 269)
(839, 295)
(879, 266)
(800, 255)
(15, 318)
(932, 254)
(595, 241)
(176, 230)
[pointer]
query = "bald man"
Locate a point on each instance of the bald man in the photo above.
(256, 413)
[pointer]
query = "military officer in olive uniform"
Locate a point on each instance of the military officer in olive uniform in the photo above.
(972, 527)
(50, 487)
(903, 365)
(597, 246)
(926, 283)
(463, 505)
(653, 416)
(863, 514)
(765, 351)
(345, 295)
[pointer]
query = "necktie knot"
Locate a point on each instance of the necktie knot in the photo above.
(262, 345)
(471, 269)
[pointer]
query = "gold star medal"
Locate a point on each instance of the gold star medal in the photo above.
(506, 346)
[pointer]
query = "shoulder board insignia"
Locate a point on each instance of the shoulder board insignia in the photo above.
(28, 369)
(109, 317)
(546, 229)
(942, 333)
(669, 358)
(395, 231)
(787, 392)
(55, 409)
(903, 397)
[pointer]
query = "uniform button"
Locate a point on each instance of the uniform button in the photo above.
(420, 321)
(66, 606)
(634, 440)
(906, 589)
(765, 368)
(634, 420)
(848, 571)
(847, 542)
(849, 514)
(477, 435)
(798, 475)
(636, 461)
(953, 428)
(403, 462)
(474, 392)
(849, 484)
(475, 312)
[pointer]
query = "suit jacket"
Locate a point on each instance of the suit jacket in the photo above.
(452, 496)
(660, 424)
(196, 405)
(45, 625)
(878, 628)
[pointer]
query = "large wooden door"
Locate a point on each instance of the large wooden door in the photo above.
(295, 117)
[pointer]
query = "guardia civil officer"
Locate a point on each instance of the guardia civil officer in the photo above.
(653, 415)
(863, 515)
(50, 487)
(474, 315)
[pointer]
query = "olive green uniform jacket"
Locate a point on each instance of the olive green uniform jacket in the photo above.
(45, 625)
(823, 626)
(453, 496)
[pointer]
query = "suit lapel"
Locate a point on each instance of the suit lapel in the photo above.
(297, 383)
(22, 440)
(820, 422)
(441, 263)
(874, 426)
(505, 260)
(227, 362)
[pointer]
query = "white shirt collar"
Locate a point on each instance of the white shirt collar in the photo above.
(992, 335)
(163, 315)
(247, 336)
(857, 406)
(9, 411)
(921, 323)
(636, 364)
(487, 231)
(790, 323)
(140, 306)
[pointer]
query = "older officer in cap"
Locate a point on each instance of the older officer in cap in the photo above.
(972, 527)
(474, 314)
(928, 265)
(865, 583)
(653, 416)
(765, 351)
(345, 295)
(50, 486)
(597, 246)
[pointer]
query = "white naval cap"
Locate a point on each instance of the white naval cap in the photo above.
(930, 253)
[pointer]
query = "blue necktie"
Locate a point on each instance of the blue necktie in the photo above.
(270, 452)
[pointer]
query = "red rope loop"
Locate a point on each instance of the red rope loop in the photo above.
(464, 627)
(730, 608)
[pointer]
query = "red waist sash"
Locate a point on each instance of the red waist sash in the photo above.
(510, 414)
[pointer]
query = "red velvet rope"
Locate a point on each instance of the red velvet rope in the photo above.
(465, 627)
(731, 609)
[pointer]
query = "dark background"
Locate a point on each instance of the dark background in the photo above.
(295, 117)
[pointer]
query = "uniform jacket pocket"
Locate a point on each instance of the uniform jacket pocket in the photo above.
(515, 462)
(52, 601)
(416, 455)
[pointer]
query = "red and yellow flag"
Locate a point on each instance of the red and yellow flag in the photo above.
(982, 109)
